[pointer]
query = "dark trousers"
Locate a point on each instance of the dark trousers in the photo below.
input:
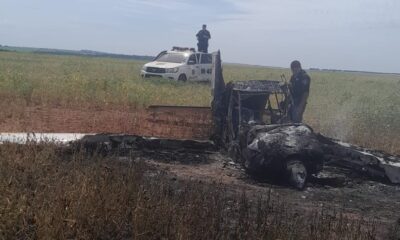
(296, 111)
(202, 47)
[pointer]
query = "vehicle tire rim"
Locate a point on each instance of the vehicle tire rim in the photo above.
(182, 78)
(297, 174)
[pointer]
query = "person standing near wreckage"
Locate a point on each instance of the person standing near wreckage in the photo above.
(202, 37)
(299, 89)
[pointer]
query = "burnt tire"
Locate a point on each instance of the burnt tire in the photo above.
(296, 173)
(182, 78)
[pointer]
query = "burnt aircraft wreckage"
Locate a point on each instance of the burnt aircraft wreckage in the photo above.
(248, 120)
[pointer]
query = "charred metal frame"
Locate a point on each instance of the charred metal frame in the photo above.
(236, 124)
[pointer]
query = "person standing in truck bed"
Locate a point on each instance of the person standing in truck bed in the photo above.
(203, 36)
(299, 89)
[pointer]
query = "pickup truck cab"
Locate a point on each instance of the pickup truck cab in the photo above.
(180, 64)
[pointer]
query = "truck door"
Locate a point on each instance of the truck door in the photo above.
(194, 67)
(205, 67)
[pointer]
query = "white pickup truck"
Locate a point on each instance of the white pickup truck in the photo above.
(180, 64)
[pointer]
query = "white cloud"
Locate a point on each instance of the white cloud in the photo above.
(317, 14)
(356, 34)
(147, 5)
(340, 34)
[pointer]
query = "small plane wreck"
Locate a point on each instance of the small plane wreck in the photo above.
(249, 121)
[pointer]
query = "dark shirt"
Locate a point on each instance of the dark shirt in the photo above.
(300, 84)
(203, 36)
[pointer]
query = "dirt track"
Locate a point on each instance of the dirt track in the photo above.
(181, 123)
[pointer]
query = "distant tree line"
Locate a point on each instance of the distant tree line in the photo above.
(88, 53)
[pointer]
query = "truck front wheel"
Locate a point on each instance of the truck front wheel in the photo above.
(296, 173)
(182, 78)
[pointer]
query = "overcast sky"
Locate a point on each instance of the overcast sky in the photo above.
(340, 34)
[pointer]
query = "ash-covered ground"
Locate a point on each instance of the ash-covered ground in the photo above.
(334, 189)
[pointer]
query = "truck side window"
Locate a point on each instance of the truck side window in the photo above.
(192, 60)
(206, 59)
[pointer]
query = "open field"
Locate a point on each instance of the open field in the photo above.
(49, 195)
(355, 107)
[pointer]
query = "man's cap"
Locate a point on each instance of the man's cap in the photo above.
(204, 25)
(295, 64)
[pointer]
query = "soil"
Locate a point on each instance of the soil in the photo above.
(334, 190)
(159, 121)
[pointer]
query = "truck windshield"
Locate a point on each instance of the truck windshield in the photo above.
(172, 58)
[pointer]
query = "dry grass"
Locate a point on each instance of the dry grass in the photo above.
(46, 196)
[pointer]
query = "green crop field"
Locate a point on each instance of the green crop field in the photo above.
(357, 107)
